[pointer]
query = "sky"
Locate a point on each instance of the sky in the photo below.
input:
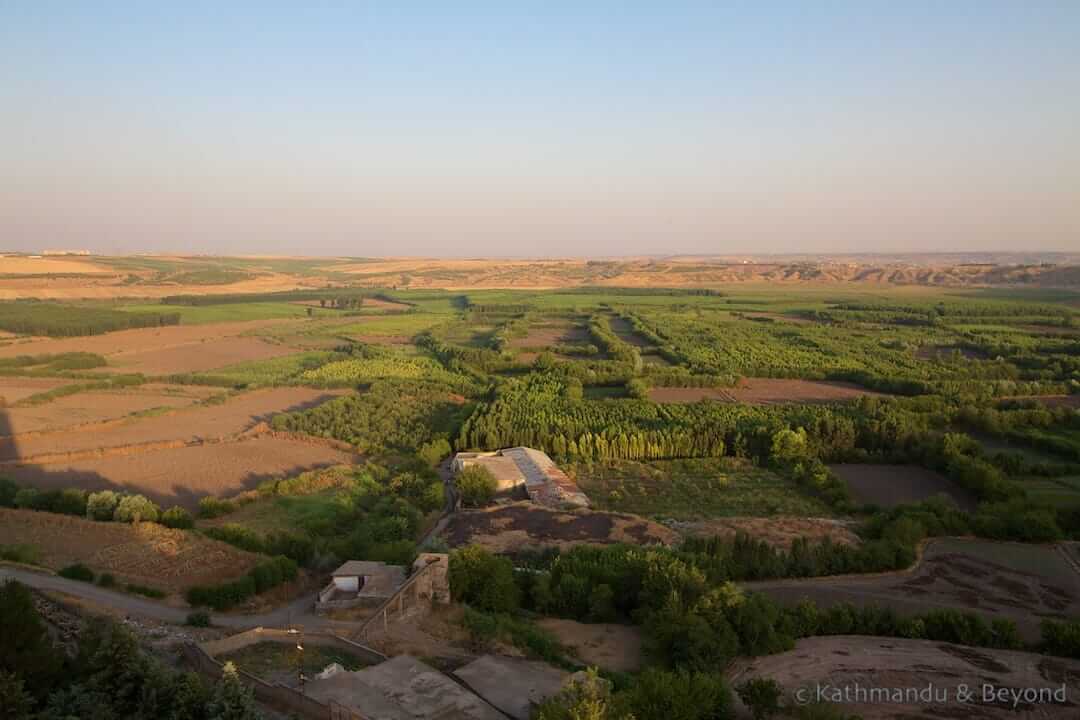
(585, 127)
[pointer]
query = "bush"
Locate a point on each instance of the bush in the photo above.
(482, 580)
(1061, 637)
(177, 517)
(78, 571)
(263, 577)
(26, 498)
(25, 554)
(682, 695)
(198, 619)
(476, 486)
(102, 505)
(144, 590)
(135, 508)
(71, 501)
(8, 490)
(212, 507)
(433, 452)
(761, 696)
(106, 580)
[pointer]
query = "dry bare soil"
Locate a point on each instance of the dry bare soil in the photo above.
(14, 389)
(891, 485)
(765, 391)
(164, 350)
(196, 424)
(183, 475)
(94, 407)
(518, 526)
(604, 645)
(888, 663)
(145, 554)
(1024, 583)
(778, 531)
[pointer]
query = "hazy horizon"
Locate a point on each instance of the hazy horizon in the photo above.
(478, 129)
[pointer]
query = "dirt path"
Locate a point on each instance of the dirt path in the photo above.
(299, 613)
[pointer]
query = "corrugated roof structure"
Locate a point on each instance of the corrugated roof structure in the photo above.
(542, 479)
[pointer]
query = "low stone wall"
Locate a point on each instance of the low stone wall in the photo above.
(258, 635)
(278, 696)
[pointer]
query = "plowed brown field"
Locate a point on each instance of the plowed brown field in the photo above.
(90, 407)
(182, 475)
(14, 389)
(147, 554)
(765, 391)
(207, 422)
(164, 350)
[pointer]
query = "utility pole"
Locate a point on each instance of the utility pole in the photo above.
(300, 663)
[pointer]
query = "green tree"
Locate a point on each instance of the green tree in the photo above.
(136, 508)
(761, 696)
(232, 700)
(177, 517)
(26, 649)
(481, 579)
(15, 702)
(586, 697)
(102, 505)
(476, 485)
(8, 490)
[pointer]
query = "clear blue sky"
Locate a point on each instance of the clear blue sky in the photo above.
(538, 128)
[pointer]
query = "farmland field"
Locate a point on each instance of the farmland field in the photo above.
(858, 661)
(520, 526)
(203, 423)
(692, 489)
(144, 554)
(95, 407)
(1021, 582)
(181, 475)
(765, 391)
(892, 485)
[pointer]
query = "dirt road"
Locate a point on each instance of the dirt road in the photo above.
(299, 613)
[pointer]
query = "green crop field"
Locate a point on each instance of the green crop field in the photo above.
(693, 489)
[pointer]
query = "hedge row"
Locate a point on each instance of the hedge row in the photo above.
(263, 577)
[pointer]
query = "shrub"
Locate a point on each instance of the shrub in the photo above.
(102, 505)
(476, 485)
(212, 507)
(177, 517)
(78, 571)
(144, 590)
(8, 490)
(106, 580)
(26, 498)
(1061, 637)
(433, 452)
(71, 501)
(684, 695)
(224, 596)
(25, 554)
(483, 580)
(198, 619)
(761, 696)
(263, 577)
(134, 508)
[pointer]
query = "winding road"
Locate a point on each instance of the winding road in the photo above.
(300, 612)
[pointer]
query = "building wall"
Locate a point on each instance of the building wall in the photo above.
(347, 584)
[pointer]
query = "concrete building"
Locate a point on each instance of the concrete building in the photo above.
(529, 469)
(402, 688)
(360, 582)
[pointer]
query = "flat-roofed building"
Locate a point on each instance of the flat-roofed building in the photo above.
(529, 469)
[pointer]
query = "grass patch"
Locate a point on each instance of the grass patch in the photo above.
(230, 312)
(270, 659)
(692, 489)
